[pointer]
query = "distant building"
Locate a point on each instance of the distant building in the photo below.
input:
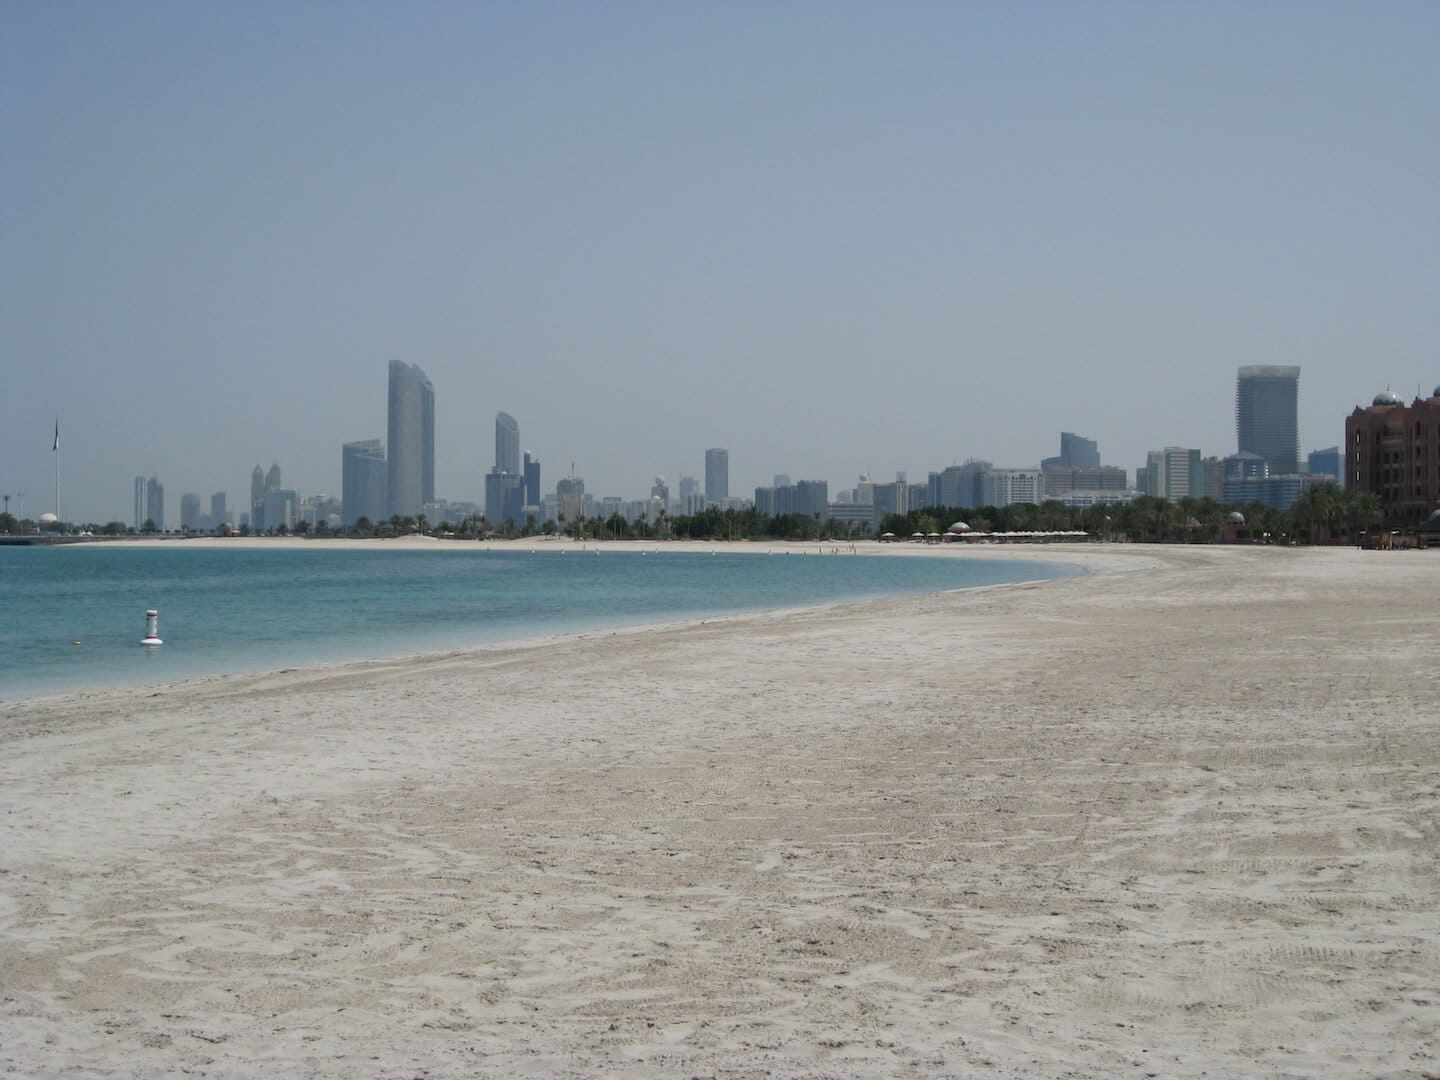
(410, 436)
(363, 476)
(809, 498)
(812, 498)
(1244, 466)
(219, 516)
(572, 503)
(1277, 492)
(507, 444)
(1392, 451)
(1076, 452)
(1062, 478)
(1008, 487)
(191, 518)
(257, 499)
(282, 509)
(959, 486)
(261, 485)
(1328, 462)
(320, 510)
(1214, 470)
(1173, 473)
(889, 499)
(504, 497)
(1083, 499)
(155, 503)
(854, 516)
(1267, 416)
(531, 466)
(717, 475)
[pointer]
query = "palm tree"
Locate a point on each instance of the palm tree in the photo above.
(1365, 511)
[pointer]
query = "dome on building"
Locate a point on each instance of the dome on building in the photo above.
(48, 519)
(1236, 518)
(958, 527)
(1389, 397)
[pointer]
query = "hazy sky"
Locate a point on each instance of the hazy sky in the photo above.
(831, 237)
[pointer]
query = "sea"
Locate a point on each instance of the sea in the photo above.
(72, 616)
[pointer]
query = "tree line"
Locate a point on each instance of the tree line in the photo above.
(1325, 513)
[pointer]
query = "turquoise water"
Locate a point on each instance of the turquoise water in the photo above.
(246, 609)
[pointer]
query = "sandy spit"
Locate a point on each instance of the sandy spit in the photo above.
(1178, 822)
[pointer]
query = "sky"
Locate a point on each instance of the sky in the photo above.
(830, 237)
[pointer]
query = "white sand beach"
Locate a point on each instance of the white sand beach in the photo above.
(1177, 818)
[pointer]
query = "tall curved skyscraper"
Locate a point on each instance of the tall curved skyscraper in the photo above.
(507, 444)
(1267, 416)
(410, 466)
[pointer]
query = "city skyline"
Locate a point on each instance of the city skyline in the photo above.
(834, 239)
(1264, 418)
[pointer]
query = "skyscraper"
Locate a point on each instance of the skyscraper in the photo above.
(362, 482)
(257, 499)
(1079, 452)
(410, 468)
(532, 480)
(190, 518)
(140, 508)
(717, 475)
(1174, 473)
(1266, 416)
(155, 503)
(507, 445)
(261, 485)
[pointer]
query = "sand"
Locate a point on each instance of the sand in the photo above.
(1178, 821)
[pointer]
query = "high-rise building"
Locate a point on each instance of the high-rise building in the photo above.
(717, 475)
(410, 466)
(1060, 479)
(140, 507)
(282, 508)
(1173, 473)
(1267, 417)
(155, 503)
(1007, 487)
(1325, 463)
(257, 499)
(218, 514)
(505, 488)
(532, 480)
(504, 497)
(958, 486)
(363, 475)
(261, 485)
(507, 444)
(1076, 452)
(190, 518)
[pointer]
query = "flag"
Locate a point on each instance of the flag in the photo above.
(56, 447)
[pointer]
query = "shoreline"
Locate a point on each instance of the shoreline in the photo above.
(1179, 821)
(1085, 557)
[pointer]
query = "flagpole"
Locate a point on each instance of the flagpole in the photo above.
(57, 470)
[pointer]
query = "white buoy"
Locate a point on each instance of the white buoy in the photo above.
(152, 629)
